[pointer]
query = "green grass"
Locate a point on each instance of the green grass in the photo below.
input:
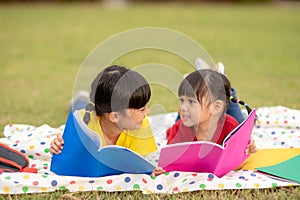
(43, 46)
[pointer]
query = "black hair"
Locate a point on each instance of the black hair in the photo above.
(117, 88)
(205, 82)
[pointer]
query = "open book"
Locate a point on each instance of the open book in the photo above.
(287, 170)
(83, 154)
(205, 156)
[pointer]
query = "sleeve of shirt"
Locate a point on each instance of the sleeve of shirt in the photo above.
(172, 132)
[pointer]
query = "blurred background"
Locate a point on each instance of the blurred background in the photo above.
(44, 43)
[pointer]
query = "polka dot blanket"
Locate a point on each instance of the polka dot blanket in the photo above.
(277, 127)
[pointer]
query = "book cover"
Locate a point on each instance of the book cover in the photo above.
(205, 156)
(265, 157)
(83, 154)
(286, 170)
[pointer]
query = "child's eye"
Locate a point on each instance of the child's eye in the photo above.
(191, 101)
(180, 100)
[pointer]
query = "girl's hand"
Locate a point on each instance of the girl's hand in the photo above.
(251, 148)
(57, 144)
(158, 171)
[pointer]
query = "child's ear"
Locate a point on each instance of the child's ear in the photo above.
(218, 106)
(114, 117)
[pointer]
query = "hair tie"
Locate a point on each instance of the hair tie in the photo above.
(87, 115)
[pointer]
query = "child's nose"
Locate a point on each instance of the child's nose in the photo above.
(184, 106)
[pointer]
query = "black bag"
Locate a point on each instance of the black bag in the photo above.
(13, 161)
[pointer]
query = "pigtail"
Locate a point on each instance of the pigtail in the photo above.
(87, 115)
(234, 100)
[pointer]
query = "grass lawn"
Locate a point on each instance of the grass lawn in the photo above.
(43, 46)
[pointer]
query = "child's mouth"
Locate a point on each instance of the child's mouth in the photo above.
(185, 117)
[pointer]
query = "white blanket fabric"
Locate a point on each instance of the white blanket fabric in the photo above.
(277, 127)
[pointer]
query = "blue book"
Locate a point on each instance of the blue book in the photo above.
(83, 154)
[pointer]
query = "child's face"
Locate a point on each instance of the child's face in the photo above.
(132, 119)
(192, 113)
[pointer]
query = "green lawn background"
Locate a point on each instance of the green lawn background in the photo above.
(43, 46)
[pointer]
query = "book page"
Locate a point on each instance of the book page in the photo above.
(251, 115)
(85, 129)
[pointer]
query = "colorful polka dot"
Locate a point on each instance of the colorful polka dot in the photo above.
(148, 191)
(54, 183)
(127, 179)
(274, 184)
(25, 189)
(62, 188)
(6, 189)
(136, 186)
(26, 176)
(238, 185)
(99, 188)
(211, 176)
(81, 188)
(144, 181)
(159, 187)
(118, 187)
(185, 189)
(35, 183)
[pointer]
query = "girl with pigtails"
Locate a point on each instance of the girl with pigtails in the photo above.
(204, 97)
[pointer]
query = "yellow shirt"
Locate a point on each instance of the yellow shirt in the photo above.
(140, 141)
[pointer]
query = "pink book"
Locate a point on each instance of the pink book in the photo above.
(205, 156)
